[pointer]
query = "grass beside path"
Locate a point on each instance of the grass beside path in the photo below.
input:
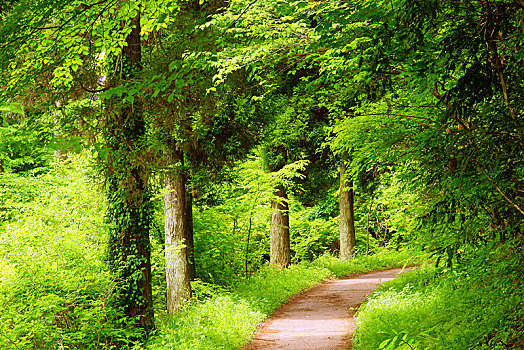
(479, 304)
(227, 319)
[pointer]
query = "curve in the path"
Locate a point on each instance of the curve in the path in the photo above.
(321, 318)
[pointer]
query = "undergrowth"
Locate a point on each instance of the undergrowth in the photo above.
(476, 305)
(227, 319)
(53, 283)
(55, 289)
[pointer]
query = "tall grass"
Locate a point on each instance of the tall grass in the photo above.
(477, 305)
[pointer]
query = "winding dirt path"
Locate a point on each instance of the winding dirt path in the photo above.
(322, 318)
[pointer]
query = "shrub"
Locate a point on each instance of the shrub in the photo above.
(476, 305)
(54, 286)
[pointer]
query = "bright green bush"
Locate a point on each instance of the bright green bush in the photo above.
(478, 305)
(311, 235)
(219, 323)
(54, 287)
(221, 238)
(25, 147)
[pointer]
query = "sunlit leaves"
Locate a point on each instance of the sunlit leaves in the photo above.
(12, 107)
(73, 39)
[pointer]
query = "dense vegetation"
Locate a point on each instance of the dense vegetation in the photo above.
(478, 305)
(164, 164)
(56, 287)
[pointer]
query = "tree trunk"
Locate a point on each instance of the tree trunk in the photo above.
(280, 254)
(176, 227)
(247, 244)
(189, 235)
(347, 215)
(367, 225)
(129, 206)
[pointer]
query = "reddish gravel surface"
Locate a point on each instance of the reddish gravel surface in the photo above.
(321, 318)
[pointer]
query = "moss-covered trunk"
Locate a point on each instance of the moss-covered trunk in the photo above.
(129, 210)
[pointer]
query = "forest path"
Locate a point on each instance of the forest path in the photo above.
(322, 318)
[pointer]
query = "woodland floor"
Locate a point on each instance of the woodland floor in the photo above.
(322, 318)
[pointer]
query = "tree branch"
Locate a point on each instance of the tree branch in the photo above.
(500, 191)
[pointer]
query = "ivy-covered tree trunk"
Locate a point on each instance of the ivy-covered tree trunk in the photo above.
(176, 227)
(129, 210)
(280, 254)
(347, 215)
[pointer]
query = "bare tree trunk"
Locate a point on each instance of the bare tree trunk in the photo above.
(176, 223)
(280, 253)
(367, 226)
(190, 237)
(347, 215)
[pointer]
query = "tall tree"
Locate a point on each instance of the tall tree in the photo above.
(197, 129)
(280, 252)
(176, 232)
(347, 213)
(129, 209)
(93, 50)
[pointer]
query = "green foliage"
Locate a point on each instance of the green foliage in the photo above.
(311, 236)
(25, 146)
(219, 323)
(70, 41)
(221, 241)
(12, 107)
(54, 286)
(477, 305)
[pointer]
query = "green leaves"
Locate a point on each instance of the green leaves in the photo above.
(54, 287)
(397, 341)
(12, 107)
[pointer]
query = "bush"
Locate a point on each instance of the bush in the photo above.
(476, 305)
(54, 286)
